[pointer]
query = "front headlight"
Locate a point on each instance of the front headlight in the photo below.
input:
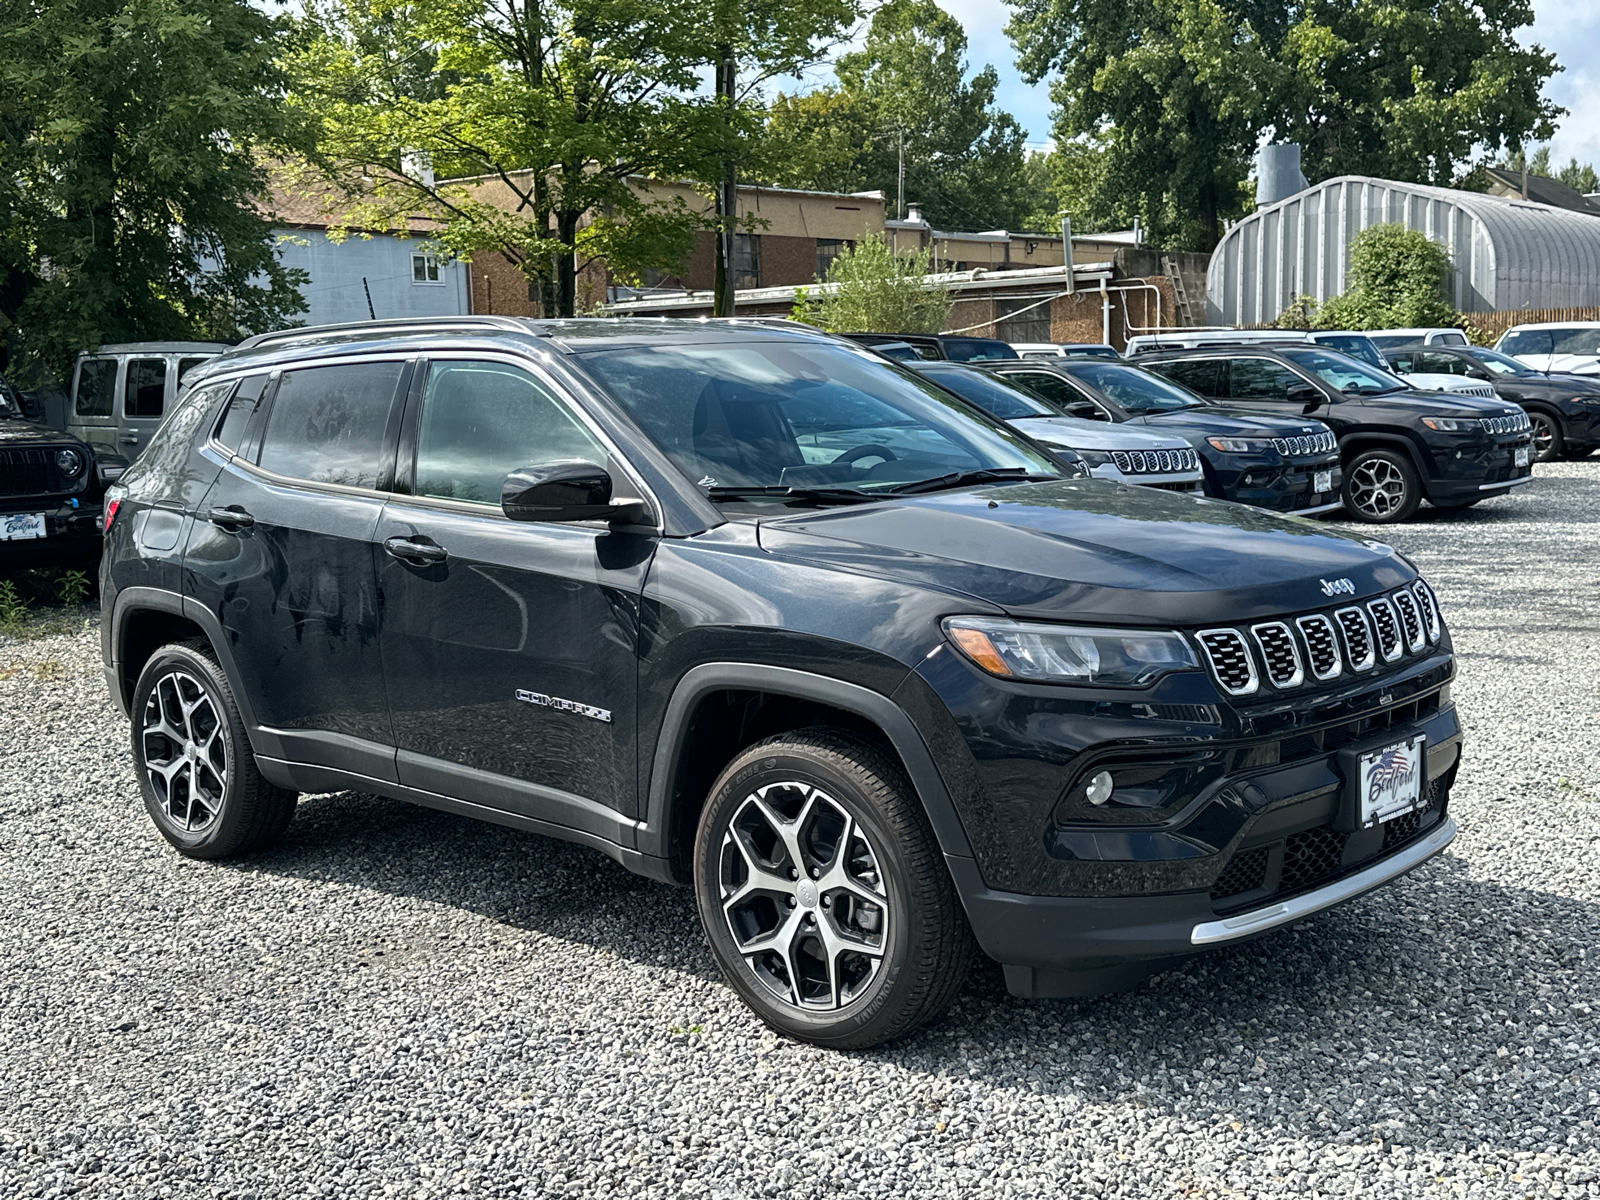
(69, 463)
(1239, 445)
(1040, 653)
(1592, 399)
(1453, 424)
(1094, 458)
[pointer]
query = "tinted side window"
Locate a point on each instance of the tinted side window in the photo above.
(1404, 363)
(1440, 364)
(328, 424)
(1451, 339)
(1259, 379)
(483, 420)
(185, 365)
(1201, 376)
(146, 391)
(1056, 390)
(230, 430)
(97, 384)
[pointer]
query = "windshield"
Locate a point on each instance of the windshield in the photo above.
(1138, 391)
(1501, 364)
(781, 414)
(995, 396)
(1552, 341)
(1357, 347)
(977, 349)
(1343, 372)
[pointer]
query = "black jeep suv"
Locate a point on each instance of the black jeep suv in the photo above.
(50, 493)
(1397, 446)
(751, 609)
(1564, 409)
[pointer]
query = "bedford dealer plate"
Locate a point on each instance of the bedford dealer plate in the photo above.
(1322, 481)
(1522, 456)
(16, 527)
(1390, 781)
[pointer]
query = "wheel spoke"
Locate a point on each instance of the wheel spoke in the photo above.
(181, 714)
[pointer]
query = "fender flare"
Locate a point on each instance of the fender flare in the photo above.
(143, 599)
(1387, 441)
(872, 706)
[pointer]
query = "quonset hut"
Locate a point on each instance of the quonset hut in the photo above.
(1507, 253)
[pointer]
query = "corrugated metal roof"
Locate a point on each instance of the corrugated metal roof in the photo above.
(1507, 253)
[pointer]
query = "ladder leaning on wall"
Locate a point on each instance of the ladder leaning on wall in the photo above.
(1179, 295)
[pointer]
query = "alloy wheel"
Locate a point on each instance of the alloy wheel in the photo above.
(185, 751)
(1544, 437)
(804, 896)
(1377, 488)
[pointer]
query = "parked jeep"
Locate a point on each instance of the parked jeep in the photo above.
(753, 610)
(50, 493)
(120, 393)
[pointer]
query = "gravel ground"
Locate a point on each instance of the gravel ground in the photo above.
(398, 1002)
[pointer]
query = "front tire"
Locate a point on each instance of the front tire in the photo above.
(1548, 442)
(823, 893)
(1381, 487)
(196, 770)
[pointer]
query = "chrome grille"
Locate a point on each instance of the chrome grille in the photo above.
(1410, 620)
(1322, 648)
(1230, 660)
(1155, 462)
(1510, 423)
(1430, 609)
(1357, 638)
(1314, 443)
(1279, 652)
(1387, 627)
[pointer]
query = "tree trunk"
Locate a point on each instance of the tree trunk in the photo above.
(727, 187)
(566, 273)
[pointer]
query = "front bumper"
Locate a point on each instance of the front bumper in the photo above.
(72, 534)
(1478, 469)
(1285, 485)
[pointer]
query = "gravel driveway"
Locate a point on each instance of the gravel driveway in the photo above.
(399, 1002)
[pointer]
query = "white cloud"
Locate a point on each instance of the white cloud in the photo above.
(1571, 28)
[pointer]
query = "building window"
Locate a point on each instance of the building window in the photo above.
(425, 269)
(746, 260)
(1017, 326)
(829, 249)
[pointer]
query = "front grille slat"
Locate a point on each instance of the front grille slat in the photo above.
(1429, 607)
(26, 473)
(1387, 626)
(1410, 620)
(1358, 647)
(1321, 645)
(1230, 659)
(1280, 654)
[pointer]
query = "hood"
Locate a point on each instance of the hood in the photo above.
(1097, 435)
(19, 433)
(1426, 381)
(1444, 404)
(1093, 550)
(1232, 422)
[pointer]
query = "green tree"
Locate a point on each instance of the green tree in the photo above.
(1580, 177)
(871, 289)
(1169, 94)
(132, 136)
(1397, 279)
(905, 96)
(1410, 89)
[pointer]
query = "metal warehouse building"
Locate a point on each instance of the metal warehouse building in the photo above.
(1508, 253)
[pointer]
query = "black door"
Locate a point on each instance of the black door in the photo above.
(283, 555)
(510, 647)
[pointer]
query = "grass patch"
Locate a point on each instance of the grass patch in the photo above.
(45, 603)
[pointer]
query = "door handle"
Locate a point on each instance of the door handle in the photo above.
(233, 517)
(131, 439)
(414, 550)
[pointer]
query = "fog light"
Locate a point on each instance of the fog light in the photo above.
(1099, 789)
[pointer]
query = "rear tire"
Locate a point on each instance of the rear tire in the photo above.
(823, 893)
(196, 770)
(1548, 442)
(1381, 487)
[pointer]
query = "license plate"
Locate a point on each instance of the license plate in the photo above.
(1390, 782)
(21, 526)
(1522, 456)
(1322, 481)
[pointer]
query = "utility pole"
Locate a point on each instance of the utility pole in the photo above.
(727, 207)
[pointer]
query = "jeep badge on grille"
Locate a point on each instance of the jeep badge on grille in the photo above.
(1338, 587)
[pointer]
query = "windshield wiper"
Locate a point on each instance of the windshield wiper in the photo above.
(780, 492)
(964, 478)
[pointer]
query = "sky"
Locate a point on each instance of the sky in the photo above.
(1569, 27)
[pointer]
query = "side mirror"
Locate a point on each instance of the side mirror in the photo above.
(1479, 373)
(1306, 395)
(564, 491)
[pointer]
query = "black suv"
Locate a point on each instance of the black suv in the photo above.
(50, 493)
(1288, 464)
(1564, 409)
(750, 609)
(1397, 446)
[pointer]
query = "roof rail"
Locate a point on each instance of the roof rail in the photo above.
(405, 325)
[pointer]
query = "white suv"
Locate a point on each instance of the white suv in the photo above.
(1566, 347)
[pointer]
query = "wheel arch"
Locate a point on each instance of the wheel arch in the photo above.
(1358, 443)
(718, 709)
(145, 619)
